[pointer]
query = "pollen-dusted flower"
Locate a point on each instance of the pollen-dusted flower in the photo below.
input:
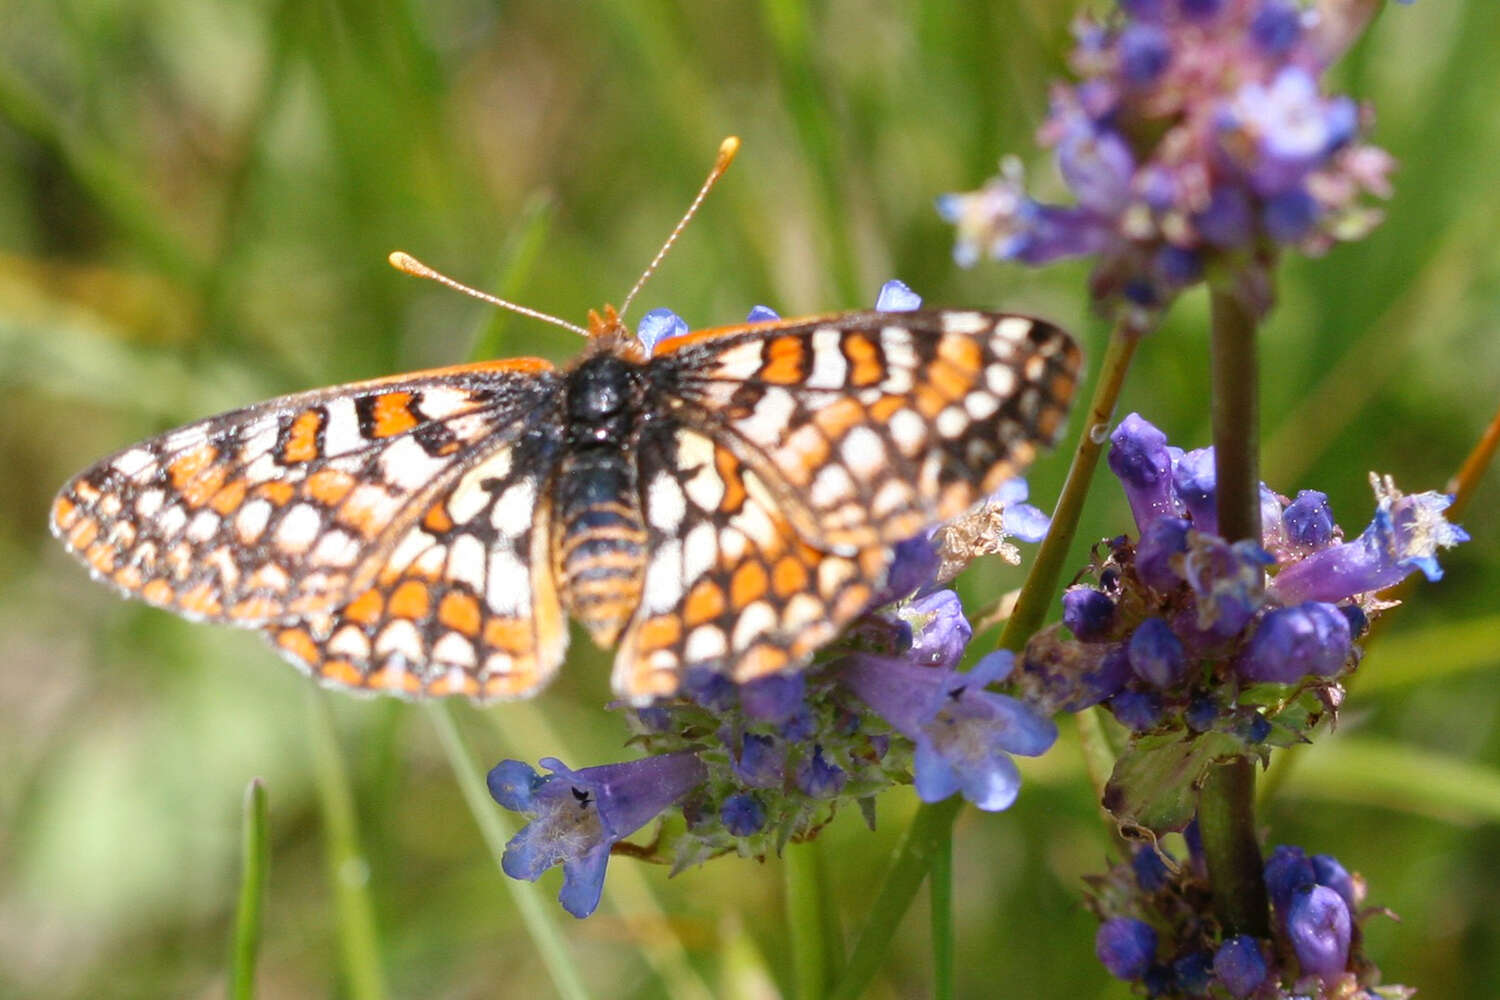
(1198, 135)
(577, 816)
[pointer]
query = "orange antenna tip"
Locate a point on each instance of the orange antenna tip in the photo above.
(727, 149)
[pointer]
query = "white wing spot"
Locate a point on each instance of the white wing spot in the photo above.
(768, 420)
(515, 507)
(171, 521)
(829, 369)
(149, 502)
(466, 561)
(134, 462)
(453, 648)
(754, 621)
(909, 431)
(350, 641)
(952, 422)
(508, 587)
(203, 526)
(341, 431)
(698, 551)
(964, 323)
(399, 637)
(706, 642)
(406, 464)
(663, 586)
(831, 487)
(297, 528)
(981, 404)
(1014, 328)
(665, 504)
(863, 451)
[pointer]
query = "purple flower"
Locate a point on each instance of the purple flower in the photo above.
(1198, 129)
(1160, 553)
(939, 629)
(818, 778)
(1156, 654)
(659, 325)
(1151, 872)
(1139, 458)
(1227, 580)
(742, 814)
(1319, 927)
(1022, 520)
(1404, 536)
(773, 699)
(577, 816)
(762, 314)
(1193, 482)
(964, 735)
(1329, 872)
(761, 761)
(1286, 871)
(1126, 947)
(1292, 643)
(1308, 520)
(1240, 966)
(895, 296)
(1137, 710)
(1087, 613)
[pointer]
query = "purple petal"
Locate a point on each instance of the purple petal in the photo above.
(895, 296)
(659, 325)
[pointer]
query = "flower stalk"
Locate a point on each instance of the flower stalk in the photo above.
(1226, 803)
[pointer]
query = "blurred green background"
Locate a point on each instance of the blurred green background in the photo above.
(196, 201)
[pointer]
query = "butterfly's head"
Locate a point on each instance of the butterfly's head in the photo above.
(608, 332)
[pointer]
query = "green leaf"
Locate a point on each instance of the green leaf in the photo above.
(255, 858)
(1155, 782)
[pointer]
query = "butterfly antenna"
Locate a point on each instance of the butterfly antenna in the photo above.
(405, 262)
(727, 149)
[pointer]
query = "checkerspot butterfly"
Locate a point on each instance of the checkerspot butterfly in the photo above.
(727, 501)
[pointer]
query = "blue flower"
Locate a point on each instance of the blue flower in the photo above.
(1137, 710)
(1126, 947)
(742, 814)
(964, 735)
(1287, 870)
(761, 762)
(1156, 654)
(940, 632)
(1140, 459)
(773, 699)
(895, 296)
(1308, 521)
(577, 816)
(1319, 926)
(1405, 535)
(819, 778)
(762, 314)
(1311, 639)
(1088, 613)
(1240, 966)
(659, 325)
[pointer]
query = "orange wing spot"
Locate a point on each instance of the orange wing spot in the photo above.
(158, 591)
(83, 534)
(837, 417)
(230, 498)
(790, 576)
(129, 577)
(101, 556)
(409, 601)
(885, 407)
(758, 662)
(437, 520)
(929, 401)
(510, 635)
(204, 486)
(255, 607)
(63, 512)
(518, 682)
(86, 491)
(345, 673)
(873, 562)
(787, 361)
(300, 644)
(949, 382)
(203, 599)
(392, 413)
(704, 603)
(269, 576)
(748, 584)
(864, 359)
(659, 632)
(185, 467)
(729, 474)
(364, 609)
(388, 679)
(460, 612)
(453, 683)
(329, 486)
(276, 491)
(963, 353)
(302, 437)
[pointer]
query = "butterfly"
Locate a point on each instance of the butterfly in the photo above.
(727, 501)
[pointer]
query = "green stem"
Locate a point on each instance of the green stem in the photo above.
(255, 860)
(932, 827)
(549, 941)
(359, 944)
(1226, 803)
(805, 920)
(929, 832)
(940, 891)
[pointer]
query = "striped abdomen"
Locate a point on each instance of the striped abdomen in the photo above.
(599, 541)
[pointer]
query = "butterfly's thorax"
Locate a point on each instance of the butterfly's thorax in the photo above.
(598, 535)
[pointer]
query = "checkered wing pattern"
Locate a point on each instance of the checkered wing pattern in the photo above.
(868, 428)
(280, 511)
(730, 584)
(465, 601)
